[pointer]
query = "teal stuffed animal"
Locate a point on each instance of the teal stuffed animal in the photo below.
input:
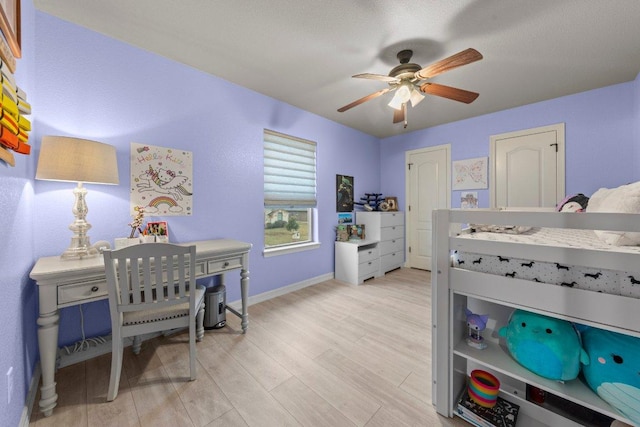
(614, 371)
(546, 346)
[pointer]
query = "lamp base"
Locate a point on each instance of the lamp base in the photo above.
(80, 248)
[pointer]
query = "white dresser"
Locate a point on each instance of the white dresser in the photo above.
(357, 260)
(388, 229)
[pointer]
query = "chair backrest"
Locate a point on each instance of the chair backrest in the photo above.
(150, 276)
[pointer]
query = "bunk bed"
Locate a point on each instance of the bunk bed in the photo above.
(518, 238)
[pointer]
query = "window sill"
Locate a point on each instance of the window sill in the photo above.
(290, 249)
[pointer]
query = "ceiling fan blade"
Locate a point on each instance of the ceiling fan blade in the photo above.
(380, 77)
(364, 99)
(398, 115)
(449, 92)
(459, 59)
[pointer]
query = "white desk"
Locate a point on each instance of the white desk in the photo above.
(65, 283)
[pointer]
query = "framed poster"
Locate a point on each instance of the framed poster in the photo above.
(161, 180)
(344, 193)
(10, 25)
(470, 174)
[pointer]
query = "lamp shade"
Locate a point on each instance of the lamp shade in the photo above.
(64, 158)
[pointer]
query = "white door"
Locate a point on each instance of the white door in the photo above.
(428, 188)
(527, 167)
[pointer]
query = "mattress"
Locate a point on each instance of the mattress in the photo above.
(574, 276)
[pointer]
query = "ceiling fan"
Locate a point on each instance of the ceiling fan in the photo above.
(407, 78)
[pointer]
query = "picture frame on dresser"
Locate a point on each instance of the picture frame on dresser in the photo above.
(10, 25)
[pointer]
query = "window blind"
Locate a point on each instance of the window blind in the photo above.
(289, 171)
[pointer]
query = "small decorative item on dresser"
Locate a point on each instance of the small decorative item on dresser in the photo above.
(392, 204)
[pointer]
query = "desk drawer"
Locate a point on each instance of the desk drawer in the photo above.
(224, 264)
(82, 291)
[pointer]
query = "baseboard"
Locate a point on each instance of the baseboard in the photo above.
(27, 410)
(255, 299)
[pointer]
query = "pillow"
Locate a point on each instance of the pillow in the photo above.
(623, 199)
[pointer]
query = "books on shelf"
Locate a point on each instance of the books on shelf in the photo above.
(503, 414)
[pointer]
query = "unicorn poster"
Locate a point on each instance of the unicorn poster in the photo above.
(161, 180)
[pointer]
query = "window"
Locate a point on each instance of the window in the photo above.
(289, 191)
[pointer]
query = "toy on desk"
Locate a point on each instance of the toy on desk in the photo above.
(545, 345)
(614, 369)
(476, 324)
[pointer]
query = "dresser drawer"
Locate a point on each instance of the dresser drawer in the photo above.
(395, 245)
(391, 218)
(223, 265)
(393, 232)
(368, 254)
(391, 261)
(82, 291)
(368, 269)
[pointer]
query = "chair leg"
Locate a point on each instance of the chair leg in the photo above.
(192, 349)
(116, 367)
(136, 345)
(200, 323)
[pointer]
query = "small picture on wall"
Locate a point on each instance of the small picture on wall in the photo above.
(470, 174)
(345, 218)
(469, 200)
(344, 193)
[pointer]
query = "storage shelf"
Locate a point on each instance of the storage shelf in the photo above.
(497, 358)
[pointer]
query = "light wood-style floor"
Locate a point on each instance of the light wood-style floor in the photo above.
(328, 355)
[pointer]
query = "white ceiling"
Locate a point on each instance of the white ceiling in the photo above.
(304, 52)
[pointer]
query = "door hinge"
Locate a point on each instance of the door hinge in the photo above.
(554, 144)
(409, 165)
(409, 208)
(409, 249)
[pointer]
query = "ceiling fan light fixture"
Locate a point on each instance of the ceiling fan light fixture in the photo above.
(416, 97)
(402, 96)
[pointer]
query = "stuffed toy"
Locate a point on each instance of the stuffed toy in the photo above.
(574, 203)
(614, 369)
(546, 346)
(476, 324)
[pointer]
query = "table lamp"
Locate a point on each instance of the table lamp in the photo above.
(83, 161)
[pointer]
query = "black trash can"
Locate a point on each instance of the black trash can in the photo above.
(215, 300)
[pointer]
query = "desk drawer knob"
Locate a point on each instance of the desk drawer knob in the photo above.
(95, 289)
(226, 264)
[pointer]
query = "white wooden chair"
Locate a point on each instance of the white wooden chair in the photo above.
(149, 291)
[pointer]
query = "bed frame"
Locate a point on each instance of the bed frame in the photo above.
(454, 288)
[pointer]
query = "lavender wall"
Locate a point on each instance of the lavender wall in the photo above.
(95, 87)
(601, 135)
(18, 305)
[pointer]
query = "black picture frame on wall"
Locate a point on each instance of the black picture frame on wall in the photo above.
(344, 193)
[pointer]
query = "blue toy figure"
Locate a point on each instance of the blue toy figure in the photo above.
(476, 324)
(546, 346)
(614, 369)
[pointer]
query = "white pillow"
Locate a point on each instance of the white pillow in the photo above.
(624, 199)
